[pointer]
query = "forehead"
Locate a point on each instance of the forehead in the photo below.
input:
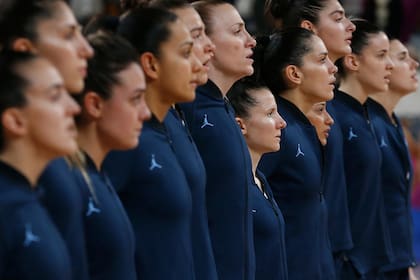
(179, 34)
(40, 74)
(317, 46)
(132, 75)
(264, 97)
(225, 16)
(377, 42)
(330, 7)
(62, 17)
(190, 17)
(395, 47)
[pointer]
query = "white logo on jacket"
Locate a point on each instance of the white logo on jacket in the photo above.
(154, 164)
(206, 122)
(30, 237)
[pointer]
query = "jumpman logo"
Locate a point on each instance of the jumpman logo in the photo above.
(91, 208)
(352, 134)
(29, 236)
(154, 164)
(383, 143)
(206, 122)
(299, 151)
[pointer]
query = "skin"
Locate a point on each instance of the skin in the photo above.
(232, 57)
(369, 72)
(165, 85)
(59, 37)
(203, 47)
(321, 120)
(262, 127)
(335, 29)
(314, 81)
(44, 128)
(115, 123)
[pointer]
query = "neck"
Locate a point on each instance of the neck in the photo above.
(157, 103)
(255, 159)
(34, 161)
(298, 99)
(223, 82)
(91, 142)
(353, 88)
(388, 100)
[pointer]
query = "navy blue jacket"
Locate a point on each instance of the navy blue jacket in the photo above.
(229, 175)
(30, 245)
(193, 166)
(362, 163)
(335, 189)
(155, 193)
(396, 174)
(269, 234)
(295, 176)
(63, 200)
(108, 232)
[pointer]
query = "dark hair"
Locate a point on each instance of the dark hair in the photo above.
(293, 12)
(364, 31)
(147, 28)
(132, 4)
(20, 19)
(170, 4)
(101, 22)
(240, 96)
(12, 83)
(273, 54)
(204, 9)
(113, 54)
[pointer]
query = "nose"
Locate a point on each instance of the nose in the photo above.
(209, 47)
(389, 63)
(84, 49)
(251, 42)
(144, 111)
(72, 108)
(331, 66)
(196, 65)
(350, 26)
(414, 63)
(280, 122)
(329, 120)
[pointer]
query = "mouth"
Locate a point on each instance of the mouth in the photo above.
(348, 40)
(249, 56)
(83, 71)
(387, 78)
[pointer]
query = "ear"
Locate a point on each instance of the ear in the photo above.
(23, 45)
(308, 25)
(293, 75)
(14, 122)
(93, 105)
(351, 62)
(242, 125)
(149, 64)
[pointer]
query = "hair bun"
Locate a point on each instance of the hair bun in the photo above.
(277, 8)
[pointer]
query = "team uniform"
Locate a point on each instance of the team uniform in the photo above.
(396, 175)
(229, 175)
(30, 245)
(155, 193)
(269, 230)
(336, 193)
(295, 174)
(108, 232)
(192, 164)
(362, 162)
(63, 200)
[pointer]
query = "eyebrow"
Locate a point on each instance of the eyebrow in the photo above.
(241, 24)
(189, 42)
(340, 12)
(198, 28)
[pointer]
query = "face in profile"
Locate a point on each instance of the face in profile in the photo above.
(262, 127)
(335, 29)
(59, 40)
(374, 64)
(203, 47)
(403, 79)
(317, 73)
(178, 66)
(48, 116)
(321, 120)
(233, 43)
(125, 111)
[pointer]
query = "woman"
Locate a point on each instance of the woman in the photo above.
(220, 143)
(152, 185)
(328, 20)
(396, 169)
(49, 28)
(184, 146)
(257, 116)
(295, 66)
(113, 111)
(321, 120)
(36, 125)
(366, 71)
